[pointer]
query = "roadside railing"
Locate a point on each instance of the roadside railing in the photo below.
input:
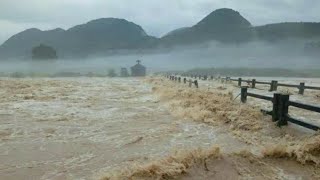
(184, 80)
(280, 102)
(252, 83)
(280, 108)
(273, 84)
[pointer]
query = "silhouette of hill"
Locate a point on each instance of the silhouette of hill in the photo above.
(283, 31)
(111, 35)
(228, 26)
(94, 37)
(21, 44)
(224, 25)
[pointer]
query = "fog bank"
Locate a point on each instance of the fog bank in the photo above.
(286, 55)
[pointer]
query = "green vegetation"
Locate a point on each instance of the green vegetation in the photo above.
(224, 25)
(281, 31)
(43, 52)
(112, 73)
(17, 75)
(24, 75)
(111, 35)
(124, 72)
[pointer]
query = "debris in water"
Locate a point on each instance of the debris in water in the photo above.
(167, 168)
(304, 151)
(135, 141)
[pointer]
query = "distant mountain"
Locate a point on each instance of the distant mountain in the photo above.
(312, 48)
(105, 34)
(97, 36)
(177, 31)
(21, 44)
(111, 35)
(283, 31)
(228, 26)
(224, 25)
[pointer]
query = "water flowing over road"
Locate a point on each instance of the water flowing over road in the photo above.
(82, 128)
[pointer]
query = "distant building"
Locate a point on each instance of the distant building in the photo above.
(124, 72)
(138, 70)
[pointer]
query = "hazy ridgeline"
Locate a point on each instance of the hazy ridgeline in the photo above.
(285, 55)
(222, 39)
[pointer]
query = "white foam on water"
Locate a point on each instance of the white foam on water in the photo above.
(75, 127)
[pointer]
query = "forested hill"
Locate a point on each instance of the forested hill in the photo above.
(111, 36)
(95, 37)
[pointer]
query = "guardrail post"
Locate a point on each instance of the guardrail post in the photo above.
(283, 109)
(273, 86)
(244, 94)
(253, 83)
(239, 82)
(301, 88)
(275, 108)
(196, 83)
(184, 80)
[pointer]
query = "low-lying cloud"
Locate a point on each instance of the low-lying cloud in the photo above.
(156, 17)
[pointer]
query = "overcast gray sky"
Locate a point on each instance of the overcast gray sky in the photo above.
(157, 17)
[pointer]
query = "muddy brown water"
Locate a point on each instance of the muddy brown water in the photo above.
(78, 128)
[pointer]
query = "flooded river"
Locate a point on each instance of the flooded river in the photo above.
(75, 128)
(82, 128)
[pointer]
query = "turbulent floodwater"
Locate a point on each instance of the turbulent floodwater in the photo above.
(75, 128)
(92, 128)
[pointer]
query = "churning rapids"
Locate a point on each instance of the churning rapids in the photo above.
(130, 128)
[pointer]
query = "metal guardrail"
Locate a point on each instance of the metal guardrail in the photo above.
(273, 84)
(305, 106)
(281, 102)
(280, 109)
(253, 82)
(261, 82)
(260, 96)
(288, 85)
(312, 87)
(184, 80)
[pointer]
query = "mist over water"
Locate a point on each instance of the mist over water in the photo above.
(284, 55)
